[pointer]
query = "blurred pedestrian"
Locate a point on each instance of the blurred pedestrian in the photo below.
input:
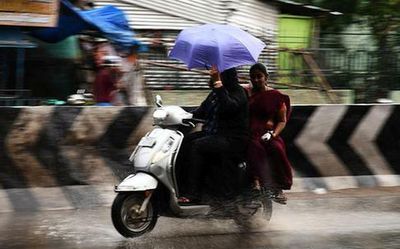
(131, 82)
(105, 84)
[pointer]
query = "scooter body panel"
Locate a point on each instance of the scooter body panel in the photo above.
(156, 153)
(137, 182)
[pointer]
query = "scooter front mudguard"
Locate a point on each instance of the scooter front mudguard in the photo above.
(137, 182)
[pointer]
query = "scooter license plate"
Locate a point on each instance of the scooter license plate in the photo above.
(147, 142)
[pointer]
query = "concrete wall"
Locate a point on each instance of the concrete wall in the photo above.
(75, 151)
(297, 96)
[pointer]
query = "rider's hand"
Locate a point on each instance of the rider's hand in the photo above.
(267, 136)
(215, 77)
(217, 84)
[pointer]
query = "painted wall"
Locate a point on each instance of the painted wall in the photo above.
(54, 158)
(295, 32)
(63, 146)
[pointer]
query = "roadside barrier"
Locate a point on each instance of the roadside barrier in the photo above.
(330, 147)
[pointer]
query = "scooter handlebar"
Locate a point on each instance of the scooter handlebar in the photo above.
(193, 120)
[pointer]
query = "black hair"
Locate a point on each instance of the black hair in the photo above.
(229, 77)
(261, 67)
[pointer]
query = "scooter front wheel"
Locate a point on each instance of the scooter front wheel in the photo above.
(126, 215)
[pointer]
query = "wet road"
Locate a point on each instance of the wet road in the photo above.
(361, 218)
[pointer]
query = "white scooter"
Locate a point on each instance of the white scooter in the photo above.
(153, 188)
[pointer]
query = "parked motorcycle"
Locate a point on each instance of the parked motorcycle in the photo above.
(152, 190)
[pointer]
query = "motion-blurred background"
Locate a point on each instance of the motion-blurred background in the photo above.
(318, 51)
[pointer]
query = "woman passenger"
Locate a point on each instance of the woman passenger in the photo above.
(269, 166)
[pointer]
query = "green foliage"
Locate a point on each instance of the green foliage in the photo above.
(383, 16)
(349, 9)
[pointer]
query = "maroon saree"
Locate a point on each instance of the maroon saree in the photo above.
(268, 160)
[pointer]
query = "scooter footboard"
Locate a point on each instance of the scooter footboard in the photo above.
(137, 182)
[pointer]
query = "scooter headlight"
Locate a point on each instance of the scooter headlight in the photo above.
(159, 116)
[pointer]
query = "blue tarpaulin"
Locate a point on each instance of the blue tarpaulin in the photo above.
(108, 20)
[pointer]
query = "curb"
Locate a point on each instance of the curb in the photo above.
(92, 196)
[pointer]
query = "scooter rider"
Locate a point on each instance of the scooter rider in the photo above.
(224, 133)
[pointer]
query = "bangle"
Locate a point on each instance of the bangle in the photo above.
(217, 82)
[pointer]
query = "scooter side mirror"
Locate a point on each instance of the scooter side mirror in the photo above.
(158, 101)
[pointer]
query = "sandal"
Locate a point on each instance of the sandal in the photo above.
(183, 201)
(279, 197)
(256, 184)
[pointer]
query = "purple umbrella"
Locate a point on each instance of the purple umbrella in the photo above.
(225, 46)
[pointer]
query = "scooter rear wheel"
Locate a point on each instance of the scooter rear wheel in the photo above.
(247, 218)
(126, 217)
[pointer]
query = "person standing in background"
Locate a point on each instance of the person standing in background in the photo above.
(131, 83)
(106, 75)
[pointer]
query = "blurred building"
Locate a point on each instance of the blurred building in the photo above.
(52, 66)
(15, 17)
(279, 23)
(300, 60)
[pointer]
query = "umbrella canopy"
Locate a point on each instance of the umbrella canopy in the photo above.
(225, 46)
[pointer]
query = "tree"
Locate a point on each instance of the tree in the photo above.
(383, 19)
(383, 16)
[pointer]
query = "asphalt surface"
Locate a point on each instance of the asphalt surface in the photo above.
(354, 218)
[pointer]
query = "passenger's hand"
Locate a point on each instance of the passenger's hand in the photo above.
(267, 136)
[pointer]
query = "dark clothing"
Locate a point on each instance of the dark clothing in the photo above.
(104, 85)
(223, 140)
(213, 165)
(268, 160)
(210, 126)
(230, 117)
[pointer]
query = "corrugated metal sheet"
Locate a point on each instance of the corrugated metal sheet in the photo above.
(159, 77)
(142, 18)
(202, 11)
(169, 14)
(257, 17)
